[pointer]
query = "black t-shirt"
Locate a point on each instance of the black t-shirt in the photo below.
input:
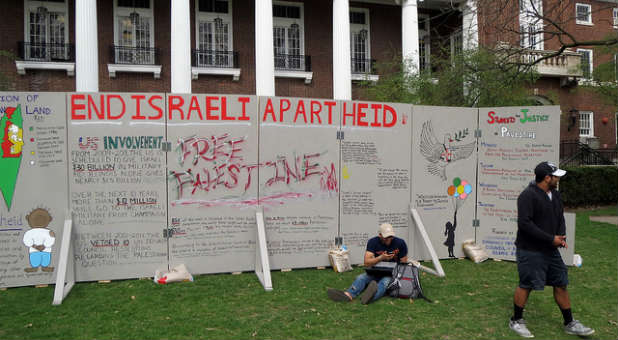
(397, 246)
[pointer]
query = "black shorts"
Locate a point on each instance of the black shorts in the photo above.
(537, 269)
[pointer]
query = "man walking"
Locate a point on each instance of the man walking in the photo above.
(540, 232)
(384, 247)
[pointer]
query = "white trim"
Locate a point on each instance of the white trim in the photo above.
(234, 72)
(582, 22)
(591, 120)
(356, 28)
(308, 76)
(211, 16)
(154, 69)
(22, 66)
(422, 34)
(365, 76)
(615, 17)
(590, 62)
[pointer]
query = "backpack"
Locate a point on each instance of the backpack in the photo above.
(405, 283)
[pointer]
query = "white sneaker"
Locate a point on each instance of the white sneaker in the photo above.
(519, 327)
(576, 328)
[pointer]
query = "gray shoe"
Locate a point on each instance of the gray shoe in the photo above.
(369, 292)
(576, 328)
(519, 327)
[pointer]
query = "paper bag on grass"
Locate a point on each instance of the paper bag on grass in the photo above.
(474, 251)
(177, 274)
(339, 260)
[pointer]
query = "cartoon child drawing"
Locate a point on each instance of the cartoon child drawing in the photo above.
(39, 240)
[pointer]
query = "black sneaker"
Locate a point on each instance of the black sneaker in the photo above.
(337, 295)
(369, 292)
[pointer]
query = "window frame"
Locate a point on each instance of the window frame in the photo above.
(615, 17)
(51, 7)
(356, 28)
(126, 11)
(590, 122)
(590, 62)
(287, 22)
(425, 33)
(582, 22)
(528, 18)
(210, 17)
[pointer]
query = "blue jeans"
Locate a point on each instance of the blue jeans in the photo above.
(363, 280)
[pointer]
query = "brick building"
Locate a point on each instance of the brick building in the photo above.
(317, 48)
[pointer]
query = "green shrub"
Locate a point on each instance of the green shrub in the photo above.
(590, 186)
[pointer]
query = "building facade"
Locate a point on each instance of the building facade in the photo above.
(310, 48)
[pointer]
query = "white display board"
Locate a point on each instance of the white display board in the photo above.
(117, 183)
(375, 172)
(514, 140)
(444, 178)
(33, 186)
(299, 179)
(212, 181)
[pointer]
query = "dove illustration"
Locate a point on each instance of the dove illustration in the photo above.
(441, 154)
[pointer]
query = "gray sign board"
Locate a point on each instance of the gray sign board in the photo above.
(375, 172)
(514, 140)
(117, 183)
(444, 178)
(213, 180)
(34, 186)
(299, 179)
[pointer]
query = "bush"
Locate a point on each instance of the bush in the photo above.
(590, 186)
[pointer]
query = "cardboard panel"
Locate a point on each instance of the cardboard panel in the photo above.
(375, 172)
(299, 179)
(117, 184)
(33, 186)
(514, 140)
(213, 180)
(444, 176)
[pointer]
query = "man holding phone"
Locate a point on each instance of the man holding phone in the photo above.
(384, 247)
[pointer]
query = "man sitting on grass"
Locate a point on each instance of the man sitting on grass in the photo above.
(384, 247)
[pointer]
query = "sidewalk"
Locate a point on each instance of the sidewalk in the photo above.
(605, 219)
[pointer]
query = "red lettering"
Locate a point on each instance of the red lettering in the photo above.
(75, 107)
(156, 107)
(351, 114)
(91, 104)
(491, 115)
(109, 106)
(361, 114)
(175, 104)
(210, 107)
(330, 105)
(269, 109)
(235, 150)
(283, 109)
(316, 111)
(138, 111)
(393, 115)
(308, 167)
(249, 168)
(244, 101)
(300, 109)
(233, 170)
(224, 110)
(194, 106)
(376, 108)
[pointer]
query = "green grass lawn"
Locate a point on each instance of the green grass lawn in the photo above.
(474, 301)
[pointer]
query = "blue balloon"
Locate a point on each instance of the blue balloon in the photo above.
(456, 194)
(468, 189)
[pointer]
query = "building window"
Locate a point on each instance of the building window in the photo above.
(586, 124)
(289, 36)
(46, 34)
(615, 16)
(360, 41)
(456, 42)
(531, 26)
(134, 32)
(586, 62)
(583, 14)
(214, 34)
(424, 49)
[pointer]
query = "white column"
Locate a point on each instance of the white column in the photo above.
(86, 46)
(470, 29)
(342, 63)
(409, 36)
(181, 46)
(264, 54)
